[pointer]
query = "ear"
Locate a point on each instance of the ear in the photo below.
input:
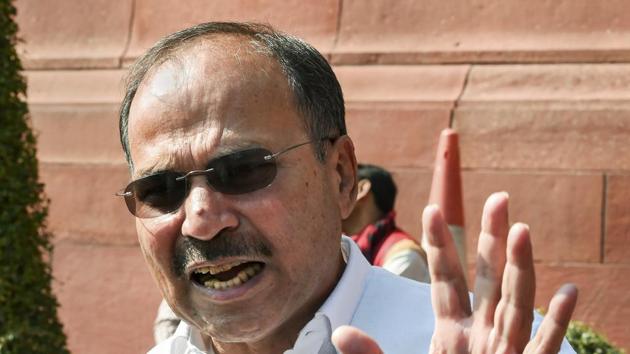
(364, 186)
(345, 174)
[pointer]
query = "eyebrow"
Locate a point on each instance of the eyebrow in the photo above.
(151, 171)
(220, 152)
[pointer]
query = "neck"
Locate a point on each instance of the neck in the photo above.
(360, 218)
(282, 338)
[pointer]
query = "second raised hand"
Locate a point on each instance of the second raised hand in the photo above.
(500, 320)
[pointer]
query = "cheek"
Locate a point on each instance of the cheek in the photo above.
(157, 239)
(298, 215)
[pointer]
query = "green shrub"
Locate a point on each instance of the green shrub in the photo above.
(28, 308)
(586, 341)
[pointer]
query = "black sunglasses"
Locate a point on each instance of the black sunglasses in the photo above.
(236, 173)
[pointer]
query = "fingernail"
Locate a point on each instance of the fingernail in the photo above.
(569, 288)
(521, 225)
(433, 206)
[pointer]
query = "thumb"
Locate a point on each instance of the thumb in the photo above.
(351, 340)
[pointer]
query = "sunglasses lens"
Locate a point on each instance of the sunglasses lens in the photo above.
(155, 195)
(243, 172)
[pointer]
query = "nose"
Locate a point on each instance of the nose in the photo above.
(206, 211)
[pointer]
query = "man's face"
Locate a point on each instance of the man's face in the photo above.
(282, 241)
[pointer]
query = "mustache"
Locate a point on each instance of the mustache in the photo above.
(228, 243)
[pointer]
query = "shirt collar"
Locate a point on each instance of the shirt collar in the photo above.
(344, 299)
(187, 340)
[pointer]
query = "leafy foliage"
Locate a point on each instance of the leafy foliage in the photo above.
(586, 341)
(28, 308)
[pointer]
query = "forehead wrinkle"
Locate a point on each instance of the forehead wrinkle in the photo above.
(160, 160)
(182, 149)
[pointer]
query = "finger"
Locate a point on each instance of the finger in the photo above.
(491, 257)
(515, 311)
(351, 340)
(449, 293)
(552, 330)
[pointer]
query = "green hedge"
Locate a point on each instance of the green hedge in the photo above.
(586, 341)
(28, 308)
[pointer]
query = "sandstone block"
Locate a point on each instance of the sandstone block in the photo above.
(75, 86)
(572, 117)
(73, 33)
(83, 206)
(108, 300)
(395, 135)
(402, 83)
(519, 137)
(548, 83)
(617, 239)
(408, 31)
(563, 211)
(395, 113)
(315, 22)
(77, 133)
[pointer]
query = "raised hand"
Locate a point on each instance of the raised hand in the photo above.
(501, 316)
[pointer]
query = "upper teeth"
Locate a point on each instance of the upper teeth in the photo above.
(242, 277)
(217, 269)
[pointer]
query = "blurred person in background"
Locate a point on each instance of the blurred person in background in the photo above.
(372, 225)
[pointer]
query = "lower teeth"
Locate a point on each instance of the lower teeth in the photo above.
(242, 276)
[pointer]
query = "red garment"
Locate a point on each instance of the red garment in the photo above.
(375, 240)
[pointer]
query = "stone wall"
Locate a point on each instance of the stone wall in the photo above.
(539, 91)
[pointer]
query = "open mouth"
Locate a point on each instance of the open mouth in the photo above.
(226, 276)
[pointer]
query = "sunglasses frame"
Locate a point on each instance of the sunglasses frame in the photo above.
(127, 193)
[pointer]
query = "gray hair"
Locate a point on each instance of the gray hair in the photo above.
(317, 92)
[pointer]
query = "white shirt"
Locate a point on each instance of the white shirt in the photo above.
(394, 311)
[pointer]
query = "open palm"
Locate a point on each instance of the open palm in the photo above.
(501, 315)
